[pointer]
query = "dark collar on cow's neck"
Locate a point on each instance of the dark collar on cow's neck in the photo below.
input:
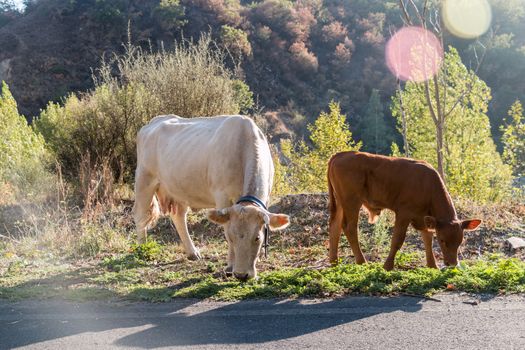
(253, 200)
(260, 204)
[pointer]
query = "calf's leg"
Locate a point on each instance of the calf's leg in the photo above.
(335, 229)
(427, 240)
(351, 218)
(398, 238)
(179, 219)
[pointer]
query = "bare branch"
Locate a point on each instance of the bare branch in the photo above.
(480, 61)
(425, 8)
(422, 20)
(459, 99)
(403, 8)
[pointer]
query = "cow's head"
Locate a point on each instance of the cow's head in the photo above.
(244, 228)
(450, 236)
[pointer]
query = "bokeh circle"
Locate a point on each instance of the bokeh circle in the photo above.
(414, 54)
(466, 19)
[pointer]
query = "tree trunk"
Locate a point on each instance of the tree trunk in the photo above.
(439, 149)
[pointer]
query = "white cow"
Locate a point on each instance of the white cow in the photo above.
(201, 163)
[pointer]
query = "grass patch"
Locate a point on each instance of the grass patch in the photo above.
(97, 259)
(147, 279)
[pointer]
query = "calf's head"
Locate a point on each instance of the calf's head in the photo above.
(244, 229)
(450, 236)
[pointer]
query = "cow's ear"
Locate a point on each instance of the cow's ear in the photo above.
(470, 225)
(430, 222)
(278, 221)
(219, 216)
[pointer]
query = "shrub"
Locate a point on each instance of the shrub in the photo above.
(236, 41)
(23, 156)
(170, 14)
(304, 60)
(306, 171)
(109, 12)
(514, 139)
(102, 124)
(334, 32)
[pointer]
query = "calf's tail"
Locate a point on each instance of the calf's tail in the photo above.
(332, 205)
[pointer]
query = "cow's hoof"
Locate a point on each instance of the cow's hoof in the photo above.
(228, 270)
(195, 256)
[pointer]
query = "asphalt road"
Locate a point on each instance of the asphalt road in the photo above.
(456, 322)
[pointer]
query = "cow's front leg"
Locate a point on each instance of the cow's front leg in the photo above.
(222, 201)
(351, 213)
(427, 240)
(398, 238)
(179, 219)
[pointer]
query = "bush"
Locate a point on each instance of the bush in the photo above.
(236, 41)
(306, 171)
(102, 124)
(23, 156)
(170, 14)
(514, 139)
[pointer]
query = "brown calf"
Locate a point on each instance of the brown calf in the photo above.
(411, 188)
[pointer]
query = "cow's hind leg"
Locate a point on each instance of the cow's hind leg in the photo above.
(427, 239)
(335, 229)
(145, 209)
(398, 238)
(350, 222)
(178, 216)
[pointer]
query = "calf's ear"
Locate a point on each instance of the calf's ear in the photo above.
(470, 225)
(219, 216)
(278, 221)
(430, 222)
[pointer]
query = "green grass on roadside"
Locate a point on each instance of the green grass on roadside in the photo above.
(147, 273)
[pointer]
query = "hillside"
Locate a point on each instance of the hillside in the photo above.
(295, 55)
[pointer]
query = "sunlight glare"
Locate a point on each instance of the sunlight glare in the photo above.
(466, 19)
(414, 53)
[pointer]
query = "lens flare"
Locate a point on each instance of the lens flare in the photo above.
(414, 53)
(466, 19)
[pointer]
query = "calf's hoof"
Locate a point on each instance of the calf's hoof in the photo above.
(389, 265)
(432, 266)
(360, 261)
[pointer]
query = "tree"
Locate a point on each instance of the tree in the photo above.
(513, 139)
(376, 133)
(22, 151)
(306, 171)
(438, 102)
(471, 164)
